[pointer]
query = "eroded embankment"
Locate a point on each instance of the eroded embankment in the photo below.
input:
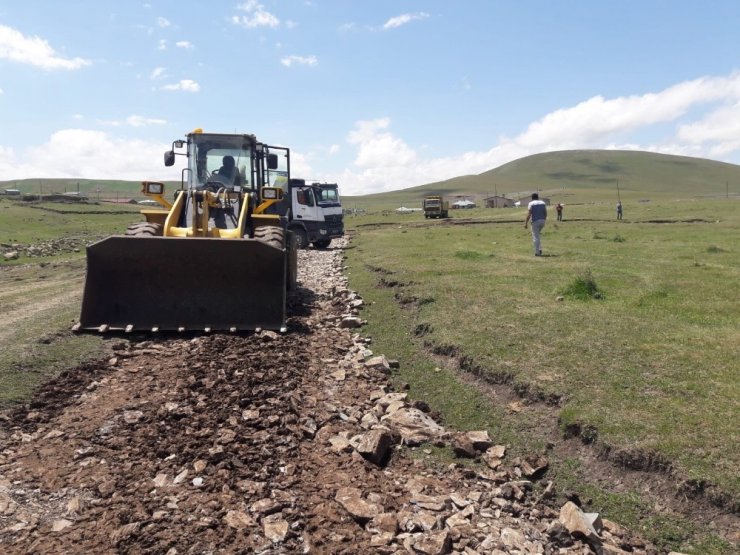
(614, 468)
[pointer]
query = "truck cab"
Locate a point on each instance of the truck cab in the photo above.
(435, 206)
(315, 213)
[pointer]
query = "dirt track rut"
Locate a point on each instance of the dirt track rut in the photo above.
(225, 444)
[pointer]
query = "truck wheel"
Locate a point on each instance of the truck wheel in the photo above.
(144, 229)
(301, 241)
(322, 243)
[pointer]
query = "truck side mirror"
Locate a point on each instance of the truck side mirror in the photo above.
(272, 161)
(169, 158)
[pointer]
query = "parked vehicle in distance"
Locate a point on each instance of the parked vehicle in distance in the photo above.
(435, 206)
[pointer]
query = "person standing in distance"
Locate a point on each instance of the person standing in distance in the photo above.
(537, 212)
(619, 209)
(559, 210)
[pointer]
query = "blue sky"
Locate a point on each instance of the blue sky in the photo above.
(376, 95)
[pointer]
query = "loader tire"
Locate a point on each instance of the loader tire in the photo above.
(144, 229)
(273, 236)
(322, 243)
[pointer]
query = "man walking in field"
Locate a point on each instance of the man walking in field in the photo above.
(537, 212)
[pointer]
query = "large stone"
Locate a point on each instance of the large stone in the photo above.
(532, 466)
(480, 439)
(11, 255)
(375, 446)
(577, 524)
(493, 456)
(463, 447)
(433, 543)
(430, 502)
(61, 524)
(350, 322)
(351, 500)
(275, 528)
(379, 363)
(239, 520)
(413, 426)
(383, 523)
(340, 444)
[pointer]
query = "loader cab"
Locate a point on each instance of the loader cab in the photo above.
(218, 160)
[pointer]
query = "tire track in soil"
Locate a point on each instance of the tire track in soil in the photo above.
(223, 444)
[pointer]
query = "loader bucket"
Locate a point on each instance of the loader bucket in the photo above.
(183, 284)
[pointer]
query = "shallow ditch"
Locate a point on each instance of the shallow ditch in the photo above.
(612, 468)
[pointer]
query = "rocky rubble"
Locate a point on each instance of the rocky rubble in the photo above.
(53, 247)
(268, 443)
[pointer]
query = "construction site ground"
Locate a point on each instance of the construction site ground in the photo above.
(266, 443)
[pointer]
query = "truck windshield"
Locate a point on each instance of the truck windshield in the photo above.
(221, 160)
(327, 194)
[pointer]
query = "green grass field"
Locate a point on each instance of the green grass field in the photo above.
(651, 365)
(40, 296)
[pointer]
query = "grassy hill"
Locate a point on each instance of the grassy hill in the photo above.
(569, 176)
(576, 176)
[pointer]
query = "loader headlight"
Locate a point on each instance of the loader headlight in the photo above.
(153, 188)
(271, 193)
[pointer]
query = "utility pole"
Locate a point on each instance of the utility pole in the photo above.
(618, 196)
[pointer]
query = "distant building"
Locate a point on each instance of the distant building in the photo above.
(11, 192)
(497, 201)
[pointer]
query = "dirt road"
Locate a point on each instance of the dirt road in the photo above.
(263, 443)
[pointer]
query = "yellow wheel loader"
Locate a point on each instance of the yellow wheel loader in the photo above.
(217, 257)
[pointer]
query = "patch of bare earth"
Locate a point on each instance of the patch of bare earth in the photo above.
(265, 443)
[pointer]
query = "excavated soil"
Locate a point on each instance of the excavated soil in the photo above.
(263, 443)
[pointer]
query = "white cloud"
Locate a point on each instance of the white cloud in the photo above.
(184, 44)
(141, 121)
(34, 51)
(289, 61)
(78, 116)
(719, 129)
(187, 85)
(377, 147)
(2, 91)
(256, 16)
(386, 162)
(333, 149)
(133, 121)
(157, 73)
(87, 154)
(162, 45)
(163, 22)
(403, 19)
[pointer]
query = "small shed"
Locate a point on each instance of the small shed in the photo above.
(497, 201)
(11, 192)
